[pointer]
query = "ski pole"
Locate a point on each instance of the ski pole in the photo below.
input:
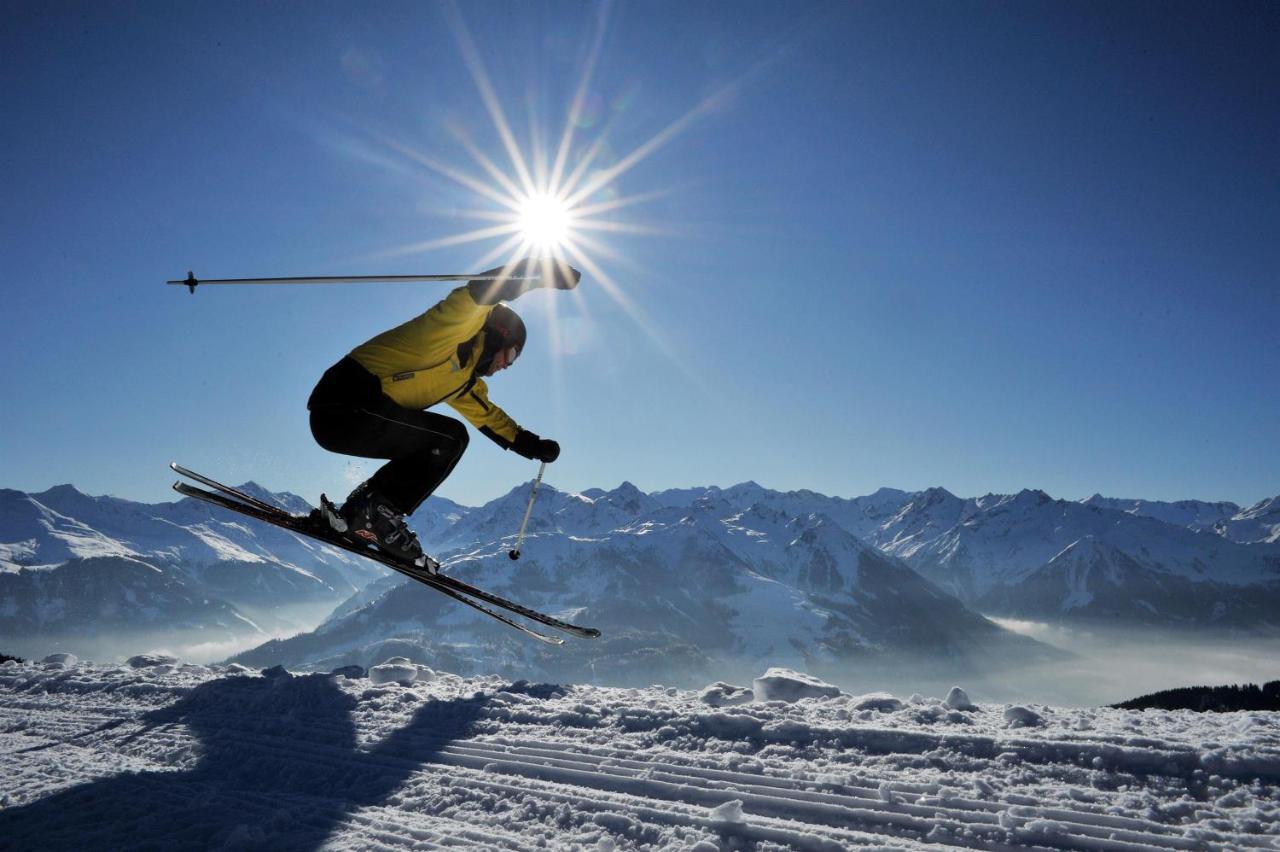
(191, 281)
(515, 553)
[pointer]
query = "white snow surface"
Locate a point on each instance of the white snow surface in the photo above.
(181, 756)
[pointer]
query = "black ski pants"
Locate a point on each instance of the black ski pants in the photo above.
(351, 415)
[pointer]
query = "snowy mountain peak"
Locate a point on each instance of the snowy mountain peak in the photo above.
(1027, 498)
(933, 496)
(1268, 507)
(63, 491)
(818, 529)
(932, 507)
(1260, 522)
(1193, 514)
(886, 493)
(749, 490)
(520, 494)
(628, 497)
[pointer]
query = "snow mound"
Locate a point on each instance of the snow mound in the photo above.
(958, 699)
(1018, 716)
(64, 660)
(882, 701)
(395, 670)
(779, 684)
(146, 661)
(730, 812)
(721, 694)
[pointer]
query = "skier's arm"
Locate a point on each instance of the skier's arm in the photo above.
(553, 273)
(491, 420)
(497, 425)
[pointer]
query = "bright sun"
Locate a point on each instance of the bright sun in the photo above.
(552, 201)
(544, 221)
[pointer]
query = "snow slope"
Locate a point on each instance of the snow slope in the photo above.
(158, 754)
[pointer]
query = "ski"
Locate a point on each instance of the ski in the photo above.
(239, 501)
(242, 496)
(422, 577)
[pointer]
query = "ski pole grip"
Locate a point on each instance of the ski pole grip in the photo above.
(514, 553)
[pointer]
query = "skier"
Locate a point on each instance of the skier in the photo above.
(373, 402)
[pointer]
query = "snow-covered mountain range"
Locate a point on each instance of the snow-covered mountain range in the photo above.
(695, 579)
(72, 566)
(1023, 555)
(1028, 555)
(679, 592)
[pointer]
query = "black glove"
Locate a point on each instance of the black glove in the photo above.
(553, 273)
(532, 447)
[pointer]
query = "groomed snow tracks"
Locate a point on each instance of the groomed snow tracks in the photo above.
(316, 760)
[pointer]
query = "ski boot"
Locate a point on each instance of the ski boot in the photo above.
(371, 517)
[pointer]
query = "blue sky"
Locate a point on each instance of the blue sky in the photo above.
(985, 246)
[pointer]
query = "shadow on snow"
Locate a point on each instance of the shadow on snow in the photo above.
(279, 767)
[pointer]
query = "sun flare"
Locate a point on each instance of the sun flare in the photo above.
(545, 222)
(559, 202)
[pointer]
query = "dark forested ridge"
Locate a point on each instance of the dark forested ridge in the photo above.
(1218, 699)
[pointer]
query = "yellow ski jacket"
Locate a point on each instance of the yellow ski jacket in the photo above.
(432, 359)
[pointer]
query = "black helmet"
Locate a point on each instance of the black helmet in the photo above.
(503, 329)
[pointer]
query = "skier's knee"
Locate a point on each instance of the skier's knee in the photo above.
(458, 439)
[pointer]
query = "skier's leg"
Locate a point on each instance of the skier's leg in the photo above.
(375, 511)
(428, 447)
(422, 447)
(351, 415)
